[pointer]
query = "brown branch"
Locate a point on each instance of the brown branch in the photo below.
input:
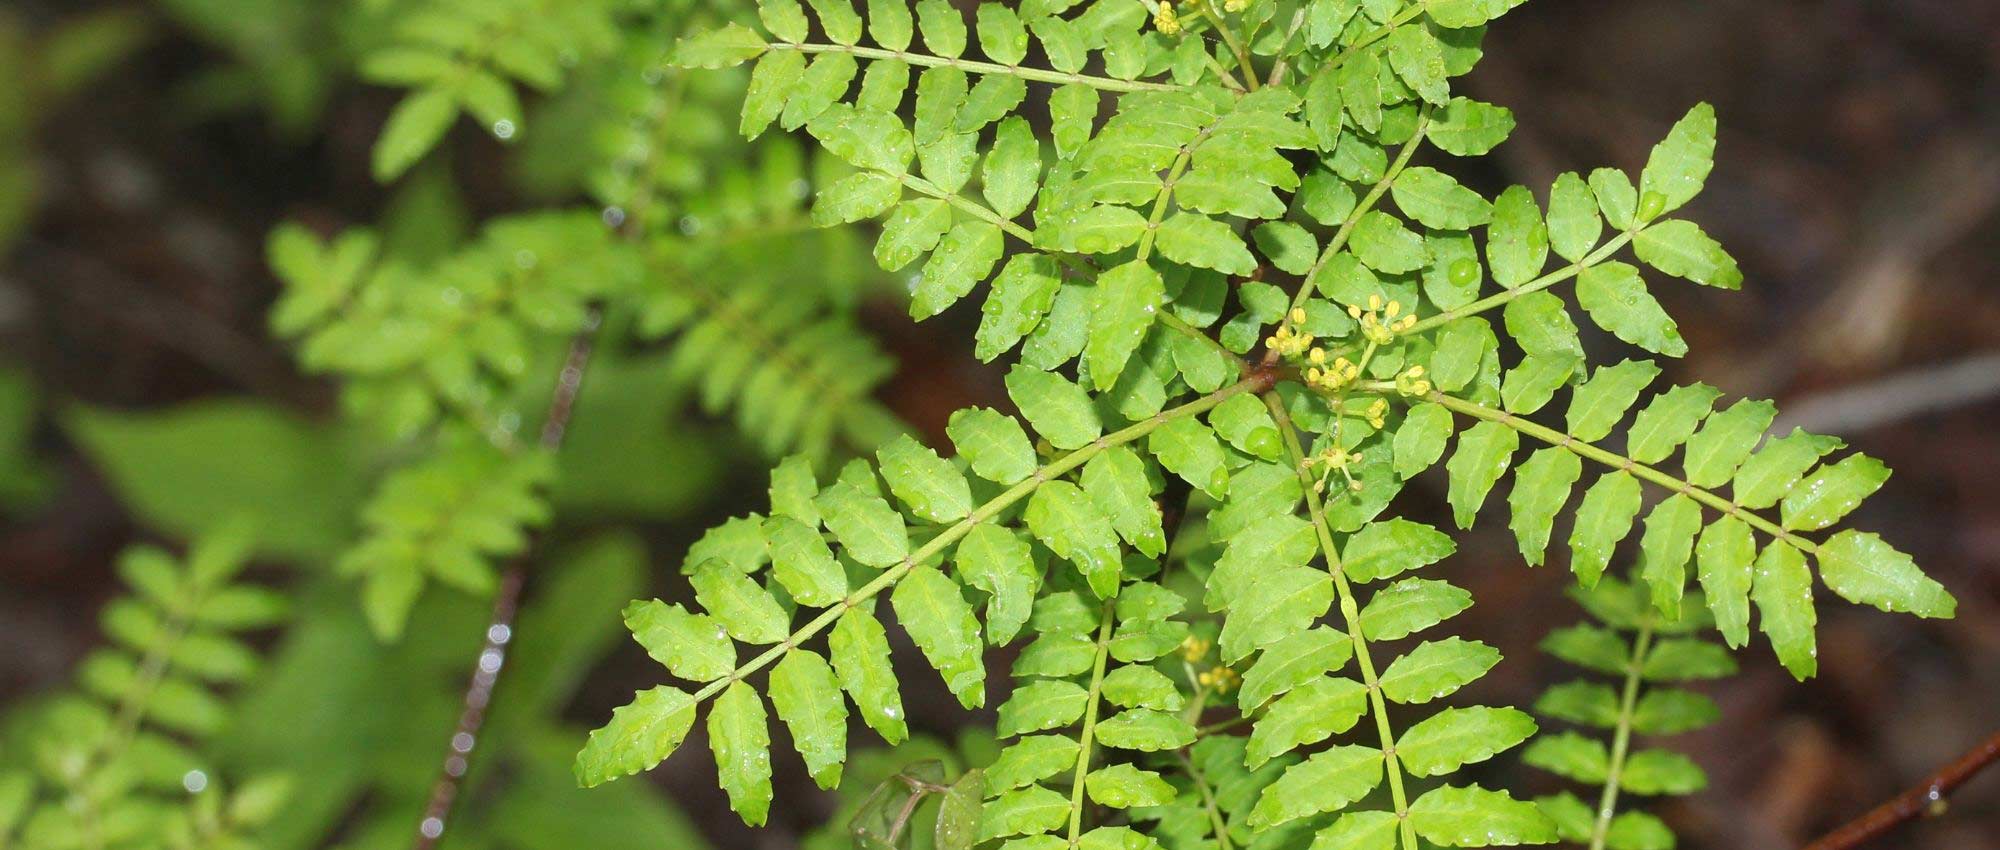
(1926, 798)
(500, 626)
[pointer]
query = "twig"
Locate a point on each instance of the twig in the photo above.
(500, 626)
(1926, 798)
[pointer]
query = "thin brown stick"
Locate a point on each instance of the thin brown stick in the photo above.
(500, 626)
(1926, 798)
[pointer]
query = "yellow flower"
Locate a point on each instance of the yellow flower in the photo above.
(1165, 20)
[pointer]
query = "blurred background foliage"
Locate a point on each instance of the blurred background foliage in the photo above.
(148, 148)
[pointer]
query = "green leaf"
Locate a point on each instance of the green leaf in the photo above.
(1574, 227)
(1588, 703)
(1197, 240)
(772, 81)
(889, 23)
(1517, 242)
(731, 45)
(1392, 547)
(1866, 571)
(1026, 811)
(1714, 452)
(1832, 492)
(998, 561)
(784, 19)
(1127, 298)
(1462, 346)
(1059, 410)
(1682, 659)
(1602, 520)
(1023, 294)
(1410, 606)
(1471, 816)
(1327, 781)
(1436, 200)
(1467, 127)
(1190, 450)
(1292, 662)
(1638, 831)
(1530, 385)
(1669, 420)
(1421, 439)
(1012, 169)
(803, 563)
(1145, 730)
(1771, 473)
(1484, 452)
(1277, 603)
(793, 487)
(959, 813)
(1436, 668)
(745, 608)
(1541, 324)
(868, 529)
(933, 610)
(1662, 772)
(1617, 300)
(1723, 563)
(1679, 248)
(739, 733)
(301, 495)
(914, 228)
(1320, 708)
(1570, 755)
(1680, 163)
(1383, 243)
(963, 258)
(1359, 831)
(1287, 246)
(1597, 406)
(860, 650)
(1664, 550)
(929, 485)
(855, 197)
(992, 443)
(1590, 647)
(416, 126)
(1615, 196)
(1418, 58)
(807, 697)
(1069, 522)
(1116, 482)
(1030, 760)
(1142, 687)
(1459, 14)
(640, 735)
(1041, 707)
(1782, 589)
(1246, 424)
(1541, 488)
(1670, 711)
(1122, 786)
(1455, 737)
(692, 646)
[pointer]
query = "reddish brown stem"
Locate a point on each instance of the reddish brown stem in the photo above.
(506, 600)
(1925, 798)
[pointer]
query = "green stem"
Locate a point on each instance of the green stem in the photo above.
(1614, 460)
(1621, 740)
(1500, 299)
(1279, 67)
(1229, 38)
(1039, 75)
(936, 545)
(1215, 818)
(1361, 208)
(1350, 612)
(1088, 740)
